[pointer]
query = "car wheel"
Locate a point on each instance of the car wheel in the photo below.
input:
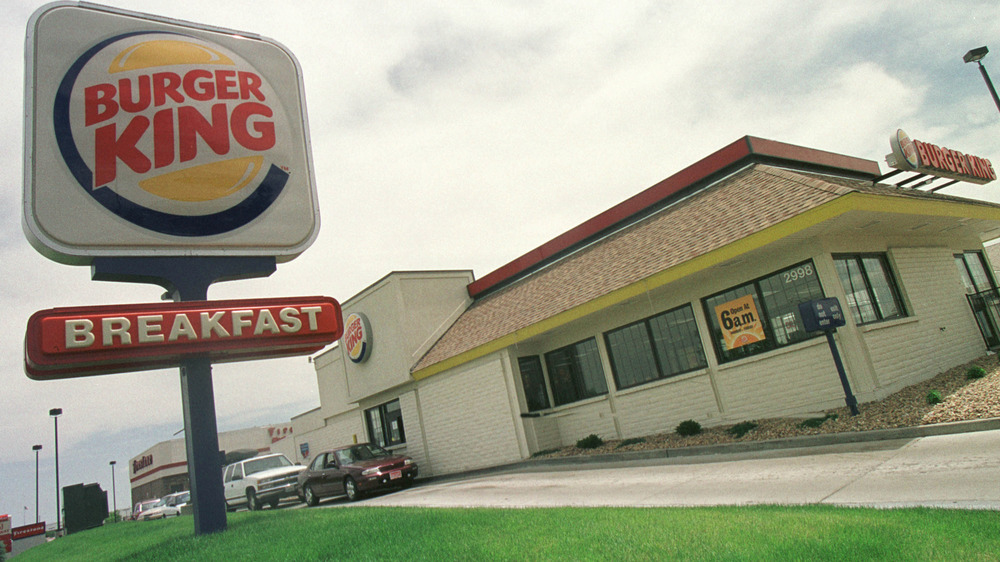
(253, 504)
(351, 488)
(312, 499)
(275, 503)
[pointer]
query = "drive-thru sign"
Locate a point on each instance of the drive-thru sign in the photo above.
(168, 152)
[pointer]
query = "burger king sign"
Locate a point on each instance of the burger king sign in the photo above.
(150, 137)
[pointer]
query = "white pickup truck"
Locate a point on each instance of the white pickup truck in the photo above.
(260, 480)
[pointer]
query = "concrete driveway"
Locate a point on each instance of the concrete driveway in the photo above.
(959, 470)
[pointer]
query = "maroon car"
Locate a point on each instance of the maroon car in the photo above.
(354, 470)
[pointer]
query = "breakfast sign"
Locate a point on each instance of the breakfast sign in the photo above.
(168, 152)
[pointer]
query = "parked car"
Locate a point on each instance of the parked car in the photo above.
(168, 506)
(141, 507)
(354, 470)
(260, 480)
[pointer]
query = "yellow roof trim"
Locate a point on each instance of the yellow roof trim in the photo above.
(855, 201)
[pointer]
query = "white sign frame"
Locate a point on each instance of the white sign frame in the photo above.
(273, 211)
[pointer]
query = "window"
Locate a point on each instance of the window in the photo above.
(575, 372)
(385, 424)
(972, 269)
(768, 309)
(533, 383)
(659, 347)
(872, 294)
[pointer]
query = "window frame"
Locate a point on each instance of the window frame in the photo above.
(661, 364)
(529, 396)
(577, 374)
(771, 341)
(892, 284)
(969, 275)
(385, 439)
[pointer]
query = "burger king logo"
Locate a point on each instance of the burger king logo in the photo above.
(357, 339)
(173, 133)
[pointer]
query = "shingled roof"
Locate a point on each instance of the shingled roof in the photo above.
(673, 236)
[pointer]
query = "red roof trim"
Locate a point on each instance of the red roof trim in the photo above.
(742, 149)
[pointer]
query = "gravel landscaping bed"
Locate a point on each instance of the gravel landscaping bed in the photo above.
(962, 398)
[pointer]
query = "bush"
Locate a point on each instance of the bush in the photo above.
(633, 441)
(975, 372)
(933, 397)
(816, 422)
(688, 428)
(741, 429)
(590, 442)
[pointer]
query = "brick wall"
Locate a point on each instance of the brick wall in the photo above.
(659, 407)
(941, 331)
(467, 419)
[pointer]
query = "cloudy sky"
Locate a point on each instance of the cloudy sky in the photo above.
(459, 135)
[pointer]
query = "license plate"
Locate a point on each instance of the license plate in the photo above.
(395, 474)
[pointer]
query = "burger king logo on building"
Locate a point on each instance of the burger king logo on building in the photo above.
(357, 339)
(147, 136)
(173, 134)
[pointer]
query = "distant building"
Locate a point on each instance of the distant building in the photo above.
(162, 469)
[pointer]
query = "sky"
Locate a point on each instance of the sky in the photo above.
(460, 135)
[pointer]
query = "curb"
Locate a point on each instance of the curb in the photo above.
(789, 443)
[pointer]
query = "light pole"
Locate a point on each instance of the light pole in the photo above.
(114, 492)
(976, 56)
(55, 413)
(36, 448)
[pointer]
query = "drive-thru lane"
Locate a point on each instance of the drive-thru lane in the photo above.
(960, 470)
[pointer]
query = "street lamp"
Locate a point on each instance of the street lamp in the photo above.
(36, 448)
(976, 56)
(55, 413)
(114, 492)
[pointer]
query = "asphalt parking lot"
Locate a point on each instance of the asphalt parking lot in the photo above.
(959, 470)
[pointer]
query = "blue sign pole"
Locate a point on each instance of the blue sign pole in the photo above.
(849, 398)
(826, 315)
(188, 279)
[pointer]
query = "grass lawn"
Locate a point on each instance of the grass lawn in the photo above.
(712, 533)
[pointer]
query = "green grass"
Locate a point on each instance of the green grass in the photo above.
(712, 533)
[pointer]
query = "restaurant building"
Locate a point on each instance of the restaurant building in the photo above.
(680, 303)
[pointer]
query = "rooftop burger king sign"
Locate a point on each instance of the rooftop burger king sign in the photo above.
(156, 137)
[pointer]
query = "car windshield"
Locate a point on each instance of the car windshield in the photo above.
(366, 451)
(266, 463)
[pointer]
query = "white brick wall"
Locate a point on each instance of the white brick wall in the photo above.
(578, 422)
(908, 352)
(467, 419)
(659, 408)
(798, 379)
(339, 430)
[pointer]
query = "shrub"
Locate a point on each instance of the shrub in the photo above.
(544, 452)
(816, 422)
(688, 428)
(975, 372)
(933, 397)
(633, 441)
(590, 442)
(742, 428)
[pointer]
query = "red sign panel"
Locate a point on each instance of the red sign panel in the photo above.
(83, 341)
(27, 531)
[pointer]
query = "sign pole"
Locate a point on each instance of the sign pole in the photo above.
(188, 279)
(849, 398)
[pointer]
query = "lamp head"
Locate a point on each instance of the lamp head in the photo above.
(975, 54)
(55, 412)
(36, 447)
(112, 463)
